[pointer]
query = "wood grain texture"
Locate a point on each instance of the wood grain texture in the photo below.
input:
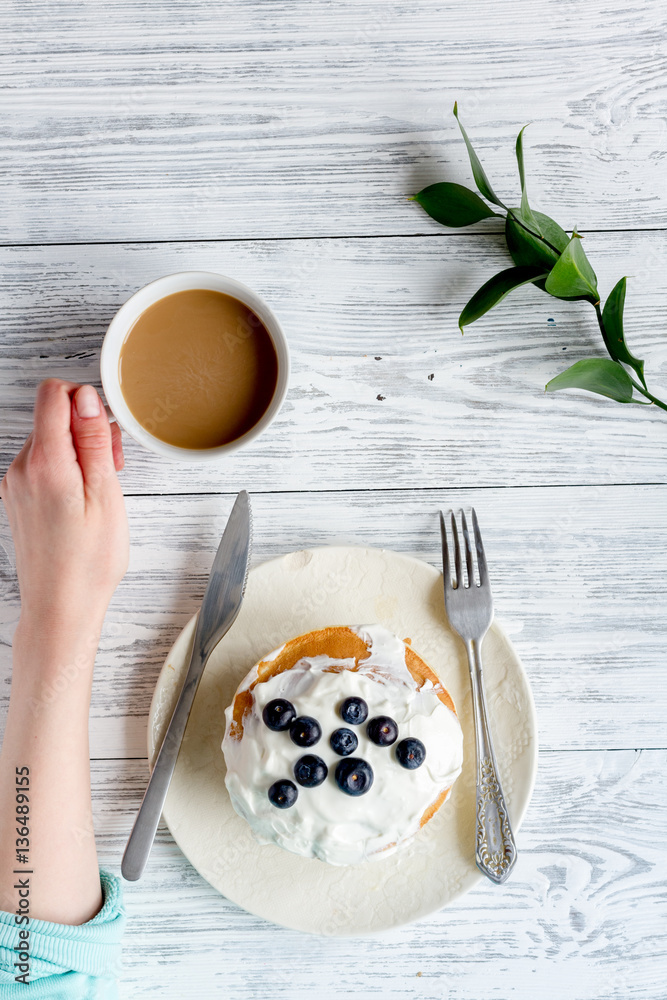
(199, 120)
(368, 322)
(590, 631)
(144, 130)
(582, 916)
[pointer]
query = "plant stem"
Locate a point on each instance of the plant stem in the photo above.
(598, 313)
(644, 391)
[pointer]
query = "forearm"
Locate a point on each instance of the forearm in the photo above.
(47, 732)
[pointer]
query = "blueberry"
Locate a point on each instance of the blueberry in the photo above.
(283, 793)
(410, 753)
(354, 711)
(310, 770)
(382, 730)
(354, 776)
(279, 714)
(305, 731)
(343, 742)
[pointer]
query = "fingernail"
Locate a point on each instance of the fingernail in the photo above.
(87, 402)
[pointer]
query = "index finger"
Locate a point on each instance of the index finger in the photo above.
(53, 412)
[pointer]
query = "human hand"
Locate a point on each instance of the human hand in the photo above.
(66, 510)
(67, 516)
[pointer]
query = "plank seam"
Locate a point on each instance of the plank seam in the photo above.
(404, 489)
(292, 239)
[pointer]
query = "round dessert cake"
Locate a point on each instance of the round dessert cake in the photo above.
(341, 744)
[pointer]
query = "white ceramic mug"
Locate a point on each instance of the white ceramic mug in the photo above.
(121, 325)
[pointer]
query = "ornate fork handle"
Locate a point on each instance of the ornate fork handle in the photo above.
(495, 849)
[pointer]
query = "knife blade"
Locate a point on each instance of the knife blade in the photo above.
(220, 606)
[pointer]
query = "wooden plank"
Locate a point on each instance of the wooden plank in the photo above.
(230, 121)
(385, 392)
(578, 578)
(583, 915)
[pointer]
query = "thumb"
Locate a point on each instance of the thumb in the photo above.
(92, 436)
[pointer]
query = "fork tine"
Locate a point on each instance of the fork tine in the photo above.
(457, 553)
(481, 558)
(470, 566)
(445, 554)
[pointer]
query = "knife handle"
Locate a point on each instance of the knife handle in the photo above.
(145, 825)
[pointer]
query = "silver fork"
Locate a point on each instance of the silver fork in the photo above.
(470, 612)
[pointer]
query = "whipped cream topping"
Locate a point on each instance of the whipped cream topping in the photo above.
(325, 822)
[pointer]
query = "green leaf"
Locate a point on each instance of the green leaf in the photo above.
(496, 289)
(526, 248)
(600, 375)
(481, 180)
(453, 205)
(612, 330)
(526, 213)
(572, 276)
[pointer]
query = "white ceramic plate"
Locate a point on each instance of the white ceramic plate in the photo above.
(284, 598)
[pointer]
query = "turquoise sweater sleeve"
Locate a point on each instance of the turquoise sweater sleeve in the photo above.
(66, 962)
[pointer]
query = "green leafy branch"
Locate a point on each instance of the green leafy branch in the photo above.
(544, 256)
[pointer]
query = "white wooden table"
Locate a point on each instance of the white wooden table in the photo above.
(277, 143)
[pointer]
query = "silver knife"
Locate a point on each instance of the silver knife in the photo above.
(221, 604)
